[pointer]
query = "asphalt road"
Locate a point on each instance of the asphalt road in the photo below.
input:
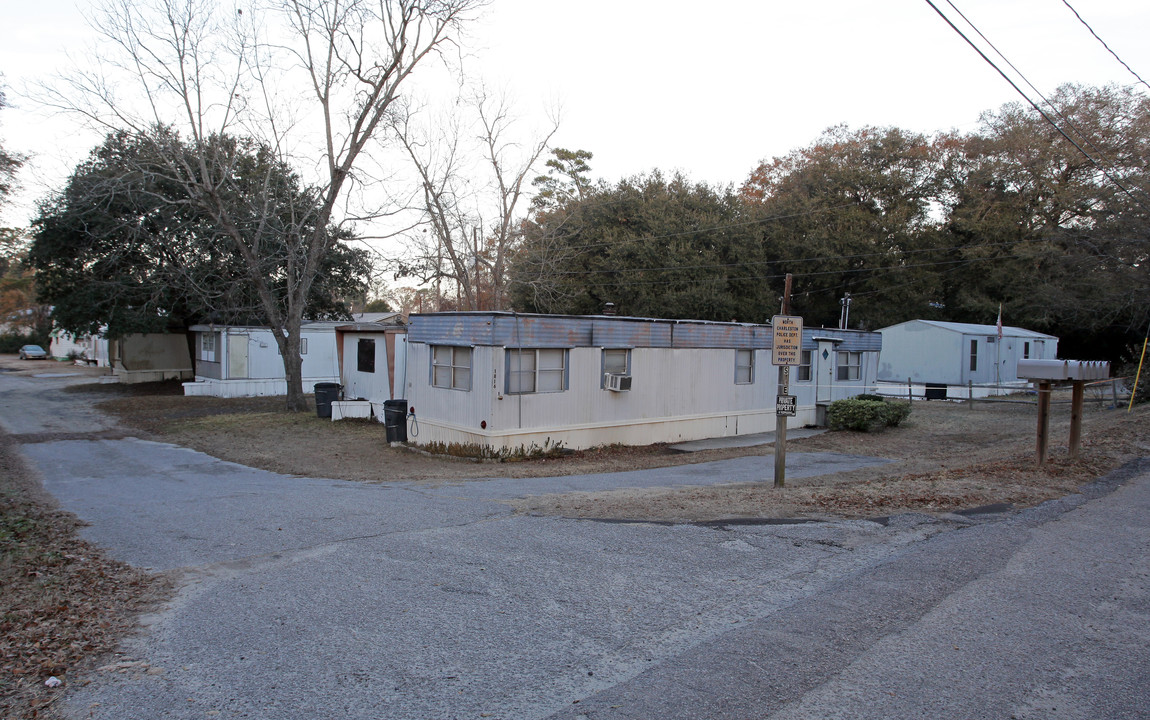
(318, 598)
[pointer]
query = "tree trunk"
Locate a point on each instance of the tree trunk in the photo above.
(293, 370)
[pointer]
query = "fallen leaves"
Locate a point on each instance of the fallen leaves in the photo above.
(62, 600)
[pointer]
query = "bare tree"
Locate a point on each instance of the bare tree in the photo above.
(205, 72)
(471, 201)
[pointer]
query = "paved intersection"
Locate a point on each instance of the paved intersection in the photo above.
(323, 598)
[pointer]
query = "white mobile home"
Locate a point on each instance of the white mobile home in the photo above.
(244, 361)
(940, 354)
(92, 348)
(507, 380)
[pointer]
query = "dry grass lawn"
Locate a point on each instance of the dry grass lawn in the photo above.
(948, 456)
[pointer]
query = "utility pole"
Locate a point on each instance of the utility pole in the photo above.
(845, 315)
(784, 389)
(475, 244)
(438, 271)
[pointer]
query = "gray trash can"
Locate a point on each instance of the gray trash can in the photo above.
(325, 395)
(395, 420)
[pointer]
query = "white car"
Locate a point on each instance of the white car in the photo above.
(32, 352)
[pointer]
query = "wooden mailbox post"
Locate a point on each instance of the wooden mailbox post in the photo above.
(1044, 373)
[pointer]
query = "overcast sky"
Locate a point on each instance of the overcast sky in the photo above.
(706, 89)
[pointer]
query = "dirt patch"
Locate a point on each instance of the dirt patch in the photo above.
(261, 433)
(948, 456)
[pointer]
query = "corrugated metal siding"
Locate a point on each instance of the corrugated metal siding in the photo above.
(452, 329)
(540, 331)
(633, 334)
(466, 408)
(666, 383)
(571, 331)
(923, 353)
(721, 335)
(846, 340)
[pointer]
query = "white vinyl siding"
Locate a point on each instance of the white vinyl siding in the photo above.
(302, 347)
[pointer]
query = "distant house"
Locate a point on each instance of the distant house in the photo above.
(938, 355)
(92, 348)
(507, 380)
(136, 358)
(245, 361)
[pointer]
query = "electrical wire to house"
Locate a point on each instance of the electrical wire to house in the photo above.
(1106, 172)
(1108, 48)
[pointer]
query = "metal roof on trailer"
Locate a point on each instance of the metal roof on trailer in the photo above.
(372, 327)
(568, 331)
(975, 329)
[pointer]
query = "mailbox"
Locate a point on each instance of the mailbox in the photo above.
(1063, 369)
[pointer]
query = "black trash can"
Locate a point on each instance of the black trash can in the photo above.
(325, 395)
(395, 420)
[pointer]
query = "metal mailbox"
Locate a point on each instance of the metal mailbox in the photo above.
(1063, 369)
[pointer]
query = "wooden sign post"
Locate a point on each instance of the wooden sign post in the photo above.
(786, 350)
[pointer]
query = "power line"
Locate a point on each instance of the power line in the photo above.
(771, 276)
(1064, 2)
(1038, 92)
(1033, 104)
(790, 262)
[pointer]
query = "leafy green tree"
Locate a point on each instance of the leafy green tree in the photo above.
(123, 247)
(1057, 238)
(319, 79)
(847, 214)
(654, 246)
(950, 228)
(566, 179)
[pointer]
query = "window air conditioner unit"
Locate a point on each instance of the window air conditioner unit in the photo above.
(616, 383)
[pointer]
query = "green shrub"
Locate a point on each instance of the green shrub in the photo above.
(864, 414)
(896, 412)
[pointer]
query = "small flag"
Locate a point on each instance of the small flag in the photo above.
(999, 321)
